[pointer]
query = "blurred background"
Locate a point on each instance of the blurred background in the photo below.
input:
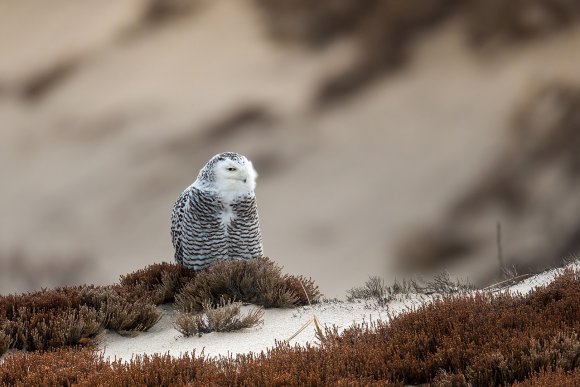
(391, 137)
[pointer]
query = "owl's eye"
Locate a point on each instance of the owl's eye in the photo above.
(231, 169)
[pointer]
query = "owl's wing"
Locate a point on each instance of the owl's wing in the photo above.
(177, 219)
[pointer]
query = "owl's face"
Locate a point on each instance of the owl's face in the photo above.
(228, 173)
(235, 175)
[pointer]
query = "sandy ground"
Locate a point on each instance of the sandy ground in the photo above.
(279, 325)
(92, 167)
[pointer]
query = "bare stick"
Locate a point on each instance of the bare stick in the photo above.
(509, 280)
(306, 293)
(314, 319)
(499, 250)
(300, 330)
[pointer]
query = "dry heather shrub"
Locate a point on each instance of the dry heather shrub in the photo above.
(65, 367)
(61, 367)
(65, 316)
(121, 314)
(488, 340)
(5, 338)
(48, 319)
(257, 281)
(189, 324)
(160, 370)
(444, 379)
(53, 299)
(305, 289)
(32, 330)
(225, 317)
(558, 377)
(466, 340)
(160, 282)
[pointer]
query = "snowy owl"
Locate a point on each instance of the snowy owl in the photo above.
(216, 217)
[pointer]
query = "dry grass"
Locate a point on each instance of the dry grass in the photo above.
(376, 290)
(443, 284)
(481, 339)
(225, 317)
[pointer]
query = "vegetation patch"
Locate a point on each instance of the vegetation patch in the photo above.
(160, 282)
(376, 290)
(225, 317)
(5, 338)
(257, 281)
(478, 339)
(72, 316)
(41, 330)
(550, 378)
(121, 313)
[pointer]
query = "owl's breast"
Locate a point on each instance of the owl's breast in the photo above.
(227, 215)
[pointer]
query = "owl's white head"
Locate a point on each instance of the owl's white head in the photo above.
(228, 173)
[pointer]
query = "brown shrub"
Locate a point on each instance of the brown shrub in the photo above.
(54, 299)
(5, 338)
(256, 281)
(552, 378)
(462, 340)
(48, 319)
(160, 282)
(62, 367)
(487, 339)
(444, 379)
(305, 289)
(225, 317)
(40, 330)
(121, 313)
(189, 324)
(70, 315)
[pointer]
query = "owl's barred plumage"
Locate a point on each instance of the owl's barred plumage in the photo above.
(216, 217)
